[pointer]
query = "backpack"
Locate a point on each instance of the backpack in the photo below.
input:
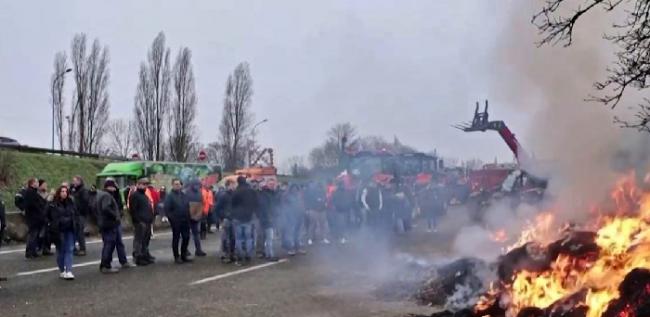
(19, 199)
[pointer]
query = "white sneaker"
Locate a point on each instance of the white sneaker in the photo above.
(343, 241)
(309, 242)
(62, 275)
(325, 241)
(68, 276)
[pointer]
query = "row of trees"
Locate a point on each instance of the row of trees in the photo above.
(165, 106)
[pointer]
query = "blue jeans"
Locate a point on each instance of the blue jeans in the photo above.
(268, 243)
(64, 251)
(196, 234)
(112, 240)
(244, 239)
(292, 231)
(228, 239)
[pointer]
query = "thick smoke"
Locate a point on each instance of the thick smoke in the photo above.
(574, 143)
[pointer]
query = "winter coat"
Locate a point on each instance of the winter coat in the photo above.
(106, 210)
(266, 208)
(62, 216)
(431, 202)
(294, 205)
(118, 199)
(81, 198)
(177, 207)
(342, 200)
(223, 208)
(140, 208)
(315, 199)
(245, 203)
(35, 208)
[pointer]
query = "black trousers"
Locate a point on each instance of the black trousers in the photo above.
(141, 239)
(33, 239)
(180, 233)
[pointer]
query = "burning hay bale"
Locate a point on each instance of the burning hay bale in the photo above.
(634, 300)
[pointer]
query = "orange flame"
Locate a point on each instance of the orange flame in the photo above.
(624, 242)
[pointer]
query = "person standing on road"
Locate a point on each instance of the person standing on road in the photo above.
(223, 209)
(44, 241)
(342, 201)
(141, 210)
(109, 218)
(62, 215)
(80, 197)
(35, 216)
(245, 204)
(195, 198)
(267, 219)
(315, 201)
(208, 203)
(294, 215)
(177, 211)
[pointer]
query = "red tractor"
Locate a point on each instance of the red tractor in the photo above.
(512, 181)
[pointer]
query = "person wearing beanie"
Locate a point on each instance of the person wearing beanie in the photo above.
(109, 217)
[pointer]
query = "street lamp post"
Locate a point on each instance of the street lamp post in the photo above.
(56, 79)
(250, 141)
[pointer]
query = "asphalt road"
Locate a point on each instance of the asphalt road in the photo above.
(332, 280)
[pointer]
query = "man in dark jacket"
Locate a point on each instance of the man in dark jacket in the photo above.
(141, 208)
(81, 200)
(109, 217)
(223, 209)
(35, 216)
(177, 210)
(315, 201)
(267, 218)
(245, 204)
(342, 203)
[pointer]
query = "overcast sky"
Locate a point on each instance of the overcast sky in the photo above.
(392, 68)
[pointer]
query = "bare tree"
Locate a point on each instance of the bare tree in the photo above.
(152, 99)
(120, 134)
(328, 155)
(90, 104)
(182, 136)
(58, 83)
(237, 115)
(556, 21)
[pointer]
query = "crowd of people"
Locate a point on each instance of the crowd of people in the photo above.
(248, 214)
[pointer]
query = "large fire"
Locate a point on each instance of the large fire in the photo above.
(586, 269)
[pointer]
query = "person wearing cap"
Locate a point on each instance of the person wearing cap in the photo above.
(104, 204)
(141, 209)
(81, 199)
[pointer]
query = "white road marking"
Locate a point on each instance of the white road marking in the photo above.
(229, 274)
(94, 241)
(53, 269)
